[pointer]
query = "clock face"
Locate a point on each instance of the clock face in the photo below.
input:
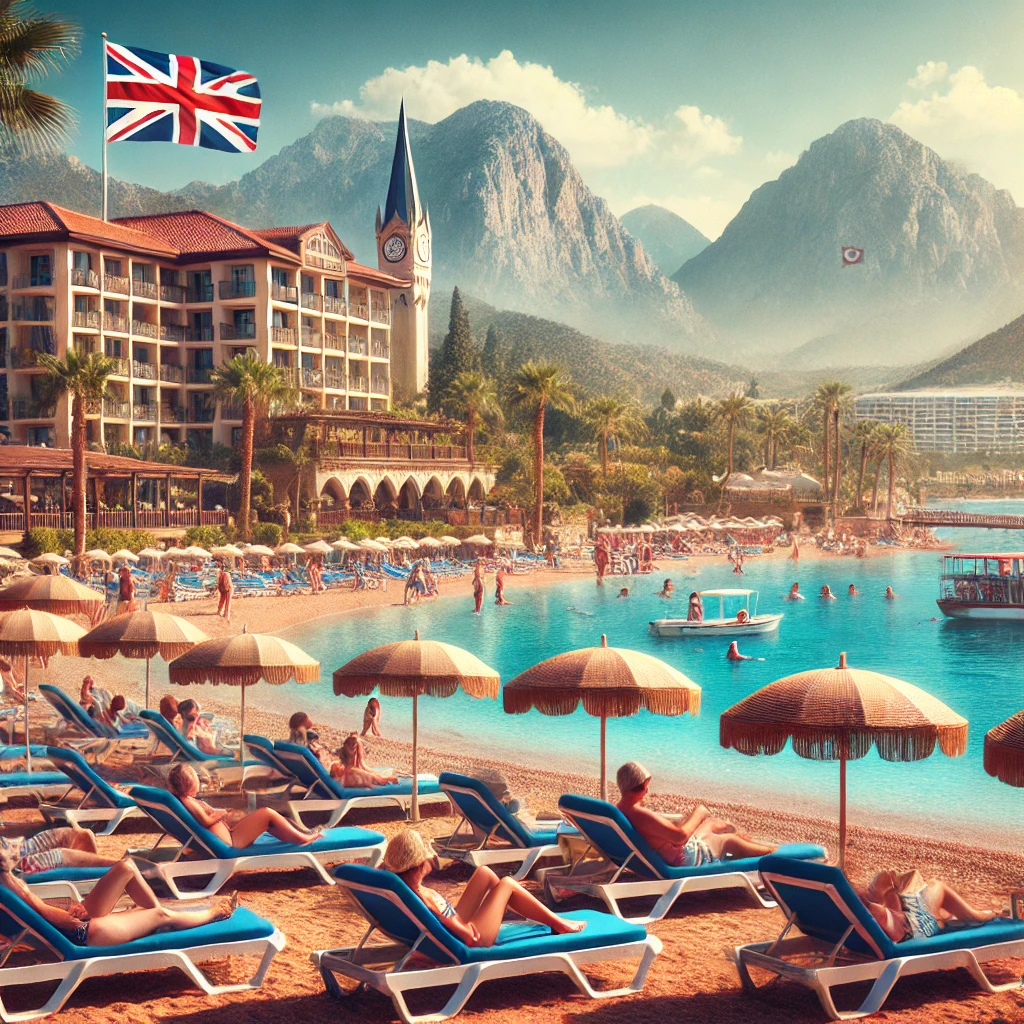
(394, 249)
(423, 248)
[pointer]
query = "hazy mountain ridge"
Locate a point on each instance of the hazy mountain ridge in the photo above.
(669, 239)
(944, 255)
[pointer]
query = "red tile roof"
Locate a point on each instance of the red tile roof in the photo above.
(198, 235)
(291, 237)
(42, 220)
(365, 273)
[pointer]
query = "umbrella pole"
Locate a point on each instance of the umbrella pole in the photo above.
(241, 729)
(604, 763)
(842, 814)
(28, 746)
(414, 806)
(148, 660)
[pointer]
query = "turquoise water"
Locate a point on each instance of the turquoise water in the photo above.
(975, 668)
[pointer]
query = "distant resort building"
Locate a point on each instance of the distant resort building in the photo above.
(954, 420)
(169, 297)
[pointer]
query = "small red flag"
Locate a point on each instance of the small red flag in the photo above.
(851, 255)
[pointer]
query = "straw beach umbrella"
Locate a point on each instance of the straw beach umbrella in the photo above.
(411, 668)
(98, 555)
(9, 553)
(124, 555)
(478, 540)
(142, 634)
(29, 633)
(612, 682)
(243, 660)
(57, 595)
(837, 714)
(1004, 750)
(319, 547)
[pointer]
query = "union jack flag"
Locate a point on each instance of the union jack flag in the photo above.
(165, 97)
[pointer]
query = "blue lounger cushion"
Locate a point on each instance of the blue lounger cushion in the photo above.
(818, 916)
(514, 939)
(11, 779)
(611, 844)
(493, 813)
(66, 874)
(82, 774)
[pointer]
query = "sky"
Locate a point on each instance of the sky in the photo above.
(690, 104)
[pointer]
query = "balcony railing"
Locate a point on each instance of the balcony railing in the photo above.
(145, 330)
(199, 293)
(236, 289)
(201, 415)
(87, 318)
(284, 292)
(380, 314)
(237, 332)
(198, 374)
(230, 412)
(310, 377)
(122, 367)
(172, 332)
(310, 300)
(358, 346)
(334, 304)
(172, 374)
(172, 414)
(144, 289)
(358, 383)
(38, 310)
(147, 371)
(334, 380)
(24, 358)
(172, 293)
(380, 350)
(32, 409)
(311, 338)
(334, 341)
(282, 335)
(84, 278)
(119, 285)
(391, 450)
(31, 281)
(116, 410)
(199, 333)
(113, 322)
(144, 411)
(358, 309)
(379, 385)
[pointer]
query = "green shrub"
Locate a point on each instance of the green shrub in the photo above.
(267, 533)
(205, 537)
(43, 538)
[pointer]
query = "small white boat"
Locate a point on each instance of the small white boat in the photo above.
(734, 624)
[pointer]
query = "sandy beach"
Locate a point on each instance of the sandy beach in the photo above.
(692, 980)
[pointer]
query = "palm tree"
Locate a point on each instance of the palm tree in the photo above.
(249, 382)
(863, 435)
(892, 445)
(84, 378)
(736, 411)
(32, 44)
(535, 388)
(829, 398)
(473, 395)
(608, 420)
(775, 425)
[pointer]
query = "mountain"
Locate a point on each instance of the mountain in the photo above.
(512, 219)
(637, 372)
(669, 240)
(994, 359)
(943, 256)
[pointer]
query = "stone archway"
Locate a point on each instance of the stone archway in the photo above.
(334, 490)
(433, 494)
(409, 496)
(477, 489)
(385, 498)
(456, 493)
(359, 494)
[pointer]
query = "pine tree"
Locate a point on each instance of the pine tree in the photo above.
(458, 354)
(492, 358)
(668, 400)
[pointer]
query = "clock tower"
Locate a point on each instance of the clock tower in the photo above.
(404, 250)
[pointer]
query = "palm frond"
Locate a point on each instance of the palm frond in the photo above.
(32, 121)
(32, 44)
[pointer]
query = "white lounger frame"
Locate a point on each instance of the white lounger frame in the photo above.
(337, 809)
(71, 973)
(384, 968)
(821, 967)
(77, 813)
(665, 890)
(44, 792)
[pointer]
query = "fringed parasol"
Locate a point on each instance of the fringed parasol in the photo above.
(33, 634)
(413, 668)
(838, 714)
(142, 634)
(57, 595)
(1004, 750)
(243, 660)
(611, 682)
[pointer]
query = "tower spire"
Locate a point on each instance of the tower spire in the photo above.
(403, 194)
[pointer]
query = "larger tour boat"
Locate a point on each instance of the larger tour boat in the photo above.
(985, 586)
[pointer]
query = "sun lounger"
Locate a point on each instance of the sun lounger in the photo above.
(394, 910)
(220, 860)
(100, 801)
(322, 793)
(243, 934)
(608, 832)
(840, 943)
(43, 784)
(87, 733)
(490, 821)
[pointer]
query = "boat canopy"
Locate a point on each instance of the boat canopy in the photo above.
(726, 593)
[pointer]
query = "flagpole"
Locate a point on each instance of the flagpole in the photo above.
(103, 123)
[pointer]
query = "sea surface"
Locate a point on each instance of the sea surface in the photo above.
(976, 668)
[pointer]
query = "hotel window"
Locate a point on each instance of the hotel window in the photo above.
(308, 285)
(202, 326)
(245, 323)
(112, 267)
(82, 261)
(3, 270)
(333, 289)
(282, 278)
(40, 269)
(244, 273)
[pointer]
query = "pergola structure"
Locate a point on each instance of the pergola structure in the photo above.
(120, 492)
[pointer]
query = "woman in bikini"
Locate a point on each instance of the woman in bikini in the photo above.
(352, 773)
(701, 839)
(183, 782)
(477, 916)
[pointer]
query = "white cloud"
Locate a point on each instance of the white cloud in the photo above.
(596, 135)
(930, 73)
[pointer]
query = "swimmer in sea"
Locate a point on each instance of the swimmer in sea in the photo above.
(794, 593)
(667, 590)
(624, 592)
(826, 593)
(889, 595)
(733, 654)
(853, 591)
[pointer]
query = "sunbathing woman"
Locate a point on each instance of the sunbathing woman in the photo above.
(477, 916)
(351, 772)
(195, 729)
(701, 839)
(300, 731)
(183, 782)
(93, 921)
(906, 906)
